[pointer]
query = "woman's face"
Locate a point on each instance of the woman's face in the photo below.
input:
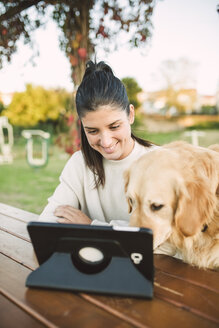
(108, 131)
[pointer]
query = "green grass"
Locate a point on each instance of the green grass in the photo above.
(28, 188)
(210, 137)
(159, 138)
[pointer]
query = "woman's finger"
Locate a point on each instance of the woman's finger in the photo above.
(71, 214)
(63, 221)
(66, 212)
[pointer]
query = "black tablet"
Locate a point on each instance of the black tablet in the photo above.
(96, 259)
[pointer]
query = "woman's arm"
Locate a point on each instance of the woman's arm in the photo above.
(64, 195)
(68, 192)
(69, 214)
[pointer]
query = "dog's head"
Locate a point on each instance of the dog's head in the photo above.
(164, 193)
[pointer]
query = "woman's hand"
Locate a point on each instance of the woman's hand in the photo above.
(69, 214)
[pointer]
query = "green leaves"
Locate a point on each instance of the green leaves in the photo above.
(101, 24)
(132, 89)
(35, 105)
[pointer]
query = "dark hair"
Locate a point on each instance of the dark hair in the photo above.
(100, 87)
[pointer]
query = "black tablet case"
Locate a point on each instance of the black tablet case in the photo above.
(57, 246)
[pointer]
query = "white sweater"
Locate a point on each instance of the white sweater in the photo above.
(103, 205)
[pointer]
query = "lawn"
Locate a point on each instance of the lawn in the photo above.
(28, 188)
(210, 137)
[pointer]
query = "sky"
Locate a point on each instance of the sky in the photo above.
(181, 28)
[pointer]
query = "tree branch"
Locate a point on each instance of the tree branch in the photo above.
(12, 11)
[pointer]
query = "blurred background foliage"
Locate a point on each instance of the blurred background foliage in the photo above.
(85, 26)
(132, 89)
(37, 105)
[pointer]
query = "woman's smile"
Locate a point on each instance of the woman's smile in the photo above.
(111, 149)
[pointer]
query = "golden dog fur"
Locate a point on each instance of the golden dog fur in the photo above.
(174, 190)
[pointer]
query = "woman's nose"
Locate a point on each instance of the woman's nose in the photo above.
(105, 140)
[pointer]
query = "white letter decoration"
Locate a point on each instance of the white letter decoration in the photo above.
(6, 143)
(30, 135)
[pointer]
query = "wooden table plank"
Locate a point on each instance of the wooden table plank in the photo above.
(9, 312)
(14, 226)
(15, 212)
(18, 249)
(198, 300)
(62, 309)
(154, 314)
(204, 278)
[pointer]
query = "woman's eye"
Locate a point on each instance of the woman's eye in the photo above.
(156, 207)
(92, 131)
(115, 127)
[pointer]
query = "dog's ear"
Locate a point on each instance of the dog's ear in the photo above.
(195, 206)
(214, 147)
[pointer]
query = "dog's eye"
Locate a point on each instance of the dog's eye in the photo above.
(156, 207)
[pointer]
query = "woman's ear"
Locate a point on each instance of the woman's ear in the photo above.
(131, 114)
(196, 204)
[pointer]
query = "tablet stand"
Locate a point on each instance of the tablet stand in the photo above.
(115, 275)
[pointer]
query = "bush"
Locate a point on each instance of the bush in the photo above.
(209, 110)
(36, 105)
(2, 107)
(132, 89)
(211, 125)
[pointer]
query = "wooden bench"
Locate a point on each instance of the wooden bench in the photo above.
(184, 296)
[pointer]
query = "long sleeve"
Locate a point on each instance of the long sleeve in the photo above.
(68, 192)
(63, 195)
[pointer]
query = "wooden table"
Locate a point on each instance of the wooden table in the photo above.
(183, 295)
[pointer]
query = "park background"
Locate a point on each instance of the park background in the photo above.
(173, 80)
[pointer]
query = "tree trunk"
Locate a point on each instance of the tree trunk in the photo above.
(83, 29)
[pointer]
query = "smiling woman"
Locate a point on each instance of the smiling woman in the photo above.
(108, 131)
(91, 189)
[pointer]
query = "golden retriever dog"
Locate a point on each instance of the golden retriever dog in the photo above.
(174, 190)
